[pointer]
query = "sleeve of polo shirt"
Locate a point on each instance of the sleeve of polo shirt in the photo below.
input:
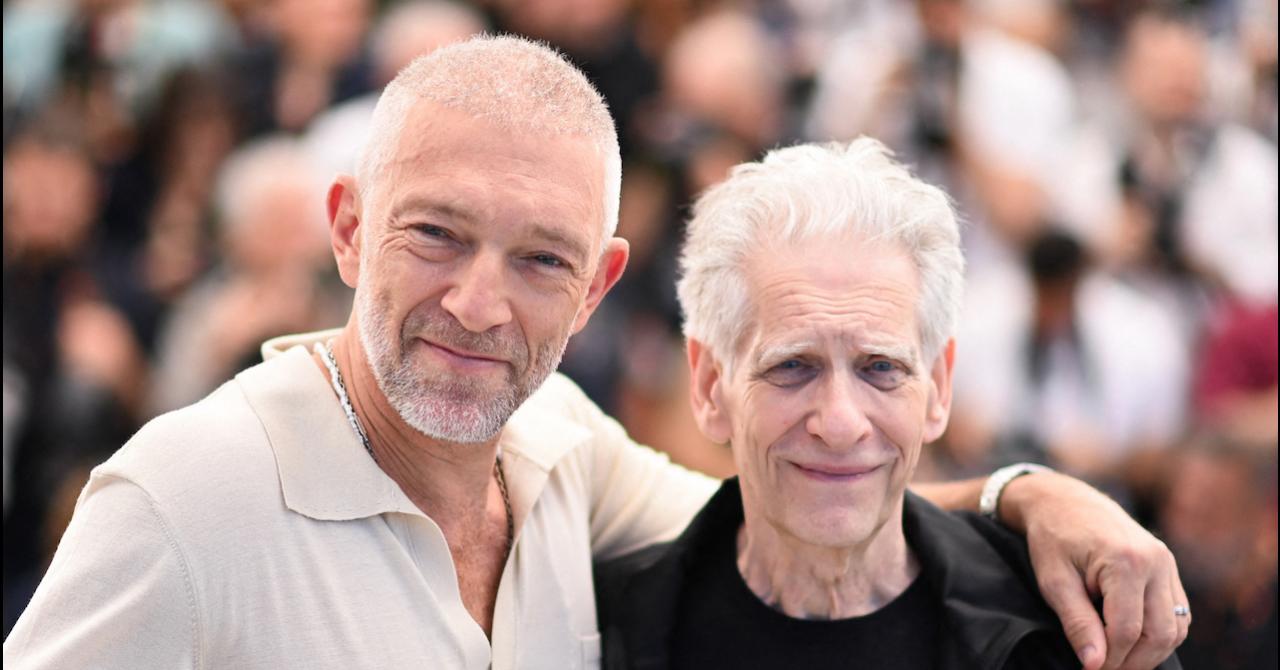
(118, 593)
(638, 497)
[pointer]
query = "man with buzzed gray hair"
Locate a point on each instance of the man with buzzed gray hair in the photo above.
(419, 488)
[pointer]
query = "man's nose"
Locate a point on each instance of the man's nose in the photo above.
(840, 419)
(478, 298)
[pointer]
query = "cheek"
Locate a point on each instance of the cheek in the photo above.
(402, 287)
(769, 420)
(566, 297)
(546, 305)
(902, 419)
(398, 286)
(543, 311)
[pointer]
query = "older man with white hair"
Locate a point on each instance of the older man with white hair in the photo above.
(821, 287)
(270, 279)
(419, 488)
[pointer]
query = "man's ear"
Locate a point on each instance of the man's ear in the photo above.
(939, 409)
(344, 227)
(612, 264)
(706, 393)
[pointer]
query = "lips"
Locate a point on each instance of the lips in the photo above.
(835, 472)
(463, 353)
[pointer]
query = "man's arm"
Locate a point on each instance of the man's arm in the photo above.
(117, 594)
(638, 497)
(1083, 546)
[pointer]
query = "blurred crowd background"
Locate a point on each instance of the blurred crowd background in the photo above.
(1115, 162)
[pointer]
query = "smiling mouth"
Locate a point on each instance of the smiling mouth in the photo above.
(466, 356)
(830, 473)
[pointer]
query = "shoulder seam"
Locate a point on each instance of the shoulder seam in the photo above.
(197, 630)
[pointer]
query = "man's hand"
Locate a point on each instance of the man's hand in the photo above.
(1084, 546)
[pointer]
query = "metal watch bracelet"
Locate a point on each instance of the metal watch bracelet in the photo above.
(989, 502)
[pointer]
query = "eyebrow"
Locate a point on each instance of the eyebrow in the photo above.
(781, 352)
(904, 353)
(427, 205)
(575, 246)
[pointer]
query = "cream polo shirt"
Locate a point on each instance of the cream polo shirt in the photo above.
(251, 530)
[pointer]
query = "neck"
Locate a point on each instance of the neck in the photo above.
(447, 481)
(453, 484)
(807, 581)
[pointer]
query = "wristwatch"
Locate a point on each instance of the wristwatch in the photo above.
(989, 502)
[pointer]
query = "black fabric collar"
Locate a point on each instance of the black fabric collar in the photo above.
(646, 607)
(982, 573)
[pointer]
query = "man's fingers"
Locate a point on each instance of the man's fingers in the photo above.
(1159, 627)
(1180, 599)
(1065, 592)
(1123, 587)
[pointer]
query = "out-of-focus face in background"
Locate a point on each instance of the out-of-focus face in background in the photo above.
(1218, 517)
(943, 21)
(724, 70)
(321, 33)
(281, 228)
(578, 25)
(272, 216)
(1163, 70)
(829, 401)
(415, 29)
(50, 200)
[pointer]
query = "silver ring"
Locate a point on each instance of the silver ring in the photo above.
(1181, 610)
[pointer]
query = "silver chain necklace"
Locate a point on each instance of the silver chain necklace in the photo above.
(335, 378)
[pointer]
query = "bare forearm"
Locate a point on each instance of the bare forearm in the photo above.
(1022, 493)
(1018, 496)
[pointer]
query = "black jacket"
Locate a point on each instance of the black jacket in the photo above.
(992, 614)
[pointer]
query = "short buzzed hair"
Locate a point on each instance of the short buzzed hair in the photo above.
(511, 82)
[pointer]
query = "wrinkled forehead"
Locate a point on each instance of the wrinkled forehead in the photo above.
(832, 290)
(445, 151)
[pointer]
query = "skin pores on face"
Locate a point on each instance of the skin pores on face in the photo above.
(478, 250)
(829, 400)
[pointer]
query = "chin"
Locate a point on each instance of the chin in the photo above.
(833, 527)
(459, 424)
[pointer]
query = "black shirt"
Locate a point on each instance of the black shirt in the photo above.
(724, 625)
(683, 604)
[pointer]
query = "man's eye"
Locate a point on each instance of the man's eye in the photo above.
(882, 366)
(549, 261)
(433, 231)
(884, 374)
(791, 372)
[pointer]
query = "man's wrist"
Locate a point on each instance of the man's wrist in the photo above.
(995, 492)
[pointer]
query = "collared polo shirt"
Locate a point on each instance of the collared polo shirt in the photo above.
(252, 530)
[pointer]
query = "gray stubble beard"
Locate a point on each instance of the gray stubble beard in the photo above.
(452, 410)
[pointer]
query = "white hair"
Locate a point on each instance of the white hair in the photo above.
(260, 168)
(416, 27)
(823, 191)
(511, 82)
